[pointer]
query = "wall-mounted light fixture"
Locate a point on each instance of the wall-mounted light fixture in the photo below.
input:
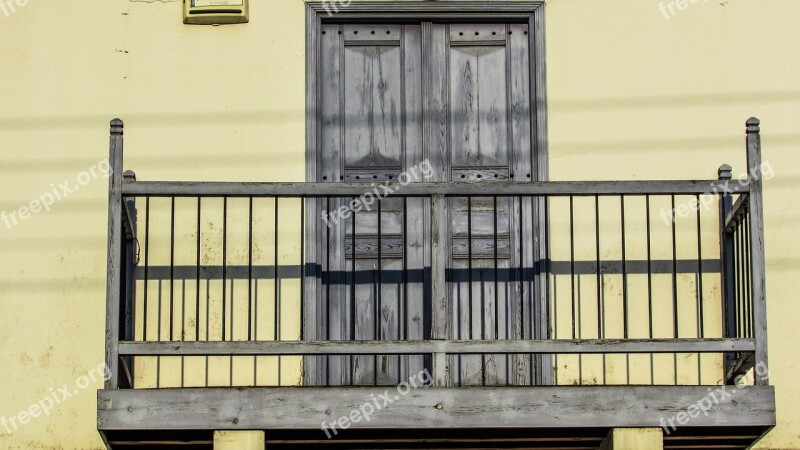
(215, 12)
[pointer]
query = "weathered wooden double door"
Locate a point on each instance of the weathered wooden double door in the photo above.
(428, 102)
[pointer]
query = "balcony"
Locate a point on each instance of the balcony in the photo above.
(496, 314)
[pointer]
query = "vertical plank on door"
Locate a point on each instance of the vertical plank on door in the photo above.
(330, 151)
(416, 317)
(522, 232)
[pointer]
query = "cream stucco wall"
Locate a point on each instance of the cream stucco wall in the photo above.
(632, 95)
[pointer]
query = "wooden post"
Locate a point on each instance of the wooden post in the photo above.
(114, 263)
(127, 311)
(439, 301)
(727, 265)
(757, 259)
(634, 439)
(239, 440)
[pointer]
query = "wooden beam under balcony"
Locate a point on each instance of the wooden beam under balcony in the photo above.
(552, 407)
(251, 348)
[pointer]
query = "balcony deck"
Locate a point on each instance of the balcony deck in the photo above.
(499, 417)
(231, 307)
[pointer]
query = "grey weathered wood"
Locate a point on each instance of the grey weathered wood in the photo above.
(477, 34)
(739, 208)
(540, 163)
(416, 232)
(436, 139)
(129, 262)
(363, 102)
(728, 291)
(333, 300)
(757, 262)
(473, 347)
(429, 408)
(526, 312)
(114, 263)
(478, 126)
(372, 34)
(414, 10)
(439, 262)
(538, 188)
(740, 367)
(129, 210)
(311, 280)
(441, 375)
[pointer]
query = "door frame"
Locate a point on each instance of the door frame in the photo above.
(321, 12)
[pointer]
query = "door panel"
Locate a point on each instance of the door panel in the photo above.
(371, 133)
(372, 105)
(489, 140)
(457, 96)
(479, 112)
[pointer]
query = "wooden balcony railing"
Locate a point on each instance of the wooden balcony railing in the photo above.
(601, 282)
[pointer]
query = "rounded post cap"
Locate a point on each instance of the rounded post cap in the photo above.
(129, 175)
(116, 126)
(753, 125)
(725, 172)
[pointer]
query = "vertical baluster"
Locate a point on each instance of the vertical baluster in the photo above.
(327, 282)
(379, 307)
(171, 268)
(277, 285)
(700, 326)
(469, 265)
(224, 265)
(302, 267)
(675, 329)
(146, 265)
(728, 294)
(496, 273)
(625, 325)
(353, 310)
(625, 315)
(738, 259)
(250, 305)
(700, 311)
(572, 263)
(250, 302)
(649, 285)
(404, 315)
(130, 259)
(197, 274)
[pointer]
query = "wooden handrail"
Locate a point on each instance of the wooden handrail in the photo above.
(455, 189)
(441, 347)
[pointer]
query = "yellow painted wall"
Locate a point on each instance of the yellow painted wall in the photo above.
(632, 95)
(634, 439)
